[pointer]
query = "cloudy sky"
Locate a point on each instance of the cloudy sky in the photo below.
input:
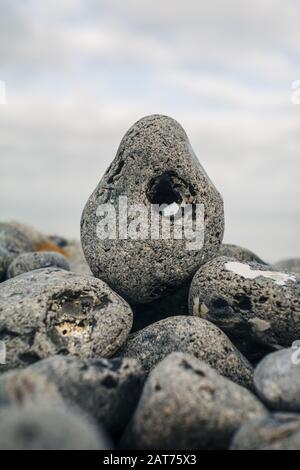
(78, 73)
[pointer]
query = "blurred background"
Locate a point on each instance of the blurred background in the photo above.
(79, 73)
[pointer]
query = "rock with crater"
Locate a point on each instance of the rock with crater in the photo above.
(31, 261)
(12, 243)
(248, 301)
(157, 171)
(187, 405)
(51, 311)
(277, 379)
(192, 335)
(107, 389)
(278, 431)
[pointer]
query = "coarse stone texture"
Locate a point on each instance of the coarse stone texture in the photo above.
(45, 427)
(12, 243)
(20, 387)
(52, 311)
(192, 335)
(291, 265)
(155, 164)
(187, 405)
(248, 301)
(239, 253)
(277, 379)
(169, 305)
(30, 261)
(107, 389)
(279, 431)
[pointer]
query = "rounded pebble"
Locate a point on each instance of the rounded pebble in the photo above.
(277, 379)
(280, 431)
(52, 311)
(30, 261)
(187, 405)
(46, 427)
(248, 301)
(12, 243)
(192, 335)
(106, 389)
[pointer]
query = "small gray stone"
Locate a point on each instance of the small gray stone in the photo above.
(12, 243)
(277, 379)
(45, 427)
(106, 389)
(292, 265)
(280, 431)
(192, 335)
(185, 404)
(20, 387)
(51, 311)
(239, 253)
(155, 164)
(248, 301)
(30, 261)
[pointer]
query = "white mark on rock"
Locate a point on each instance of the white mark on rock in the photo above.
(171, 209)
(246, 272)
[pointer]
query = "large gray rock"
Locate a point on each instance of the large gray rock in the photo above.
(30, 261)
(106, 389)
(277, 380)
(192, 335)
(155, 164)
(187, 405)
(248, 301)
(12, 243)
(45, 427)
(52, 311)
(280, 431)
(239, 253)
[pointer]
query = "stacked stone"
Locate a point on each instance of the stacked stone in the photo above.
(149, 342)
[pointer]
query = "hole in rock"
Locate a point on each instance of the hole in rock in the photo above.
(162, 190)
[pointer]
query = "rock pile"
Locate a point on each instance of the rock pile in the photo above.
(163, 338)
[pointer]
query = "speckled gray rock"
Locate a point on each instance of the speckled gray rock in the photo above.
(280, 431)
(155, 164)
(51, 311)
(30, 261)
(277, 379)
(106, 389)
(12, 243)
(187, 405)
(192, 335)
(291, 265)
(248, 300)
(46, 427)
(20, 387)
(239, 253)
